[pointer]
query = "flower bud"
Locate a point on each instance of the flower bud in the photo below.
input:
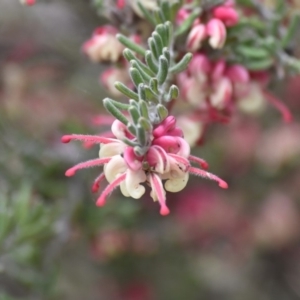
(217, 32)
(226, 14)
(192, 92)
(192, 128)
(222, 93)
(200, 67)
(182, 15)
(253, 100)
(103, 46)
(218, 70)
(238, 74)
(195, 37)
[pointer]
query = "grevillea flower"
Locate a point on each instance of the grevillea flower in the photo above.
(103, 45)
(216, 30)
(219, 86)
(195, 38)
(164, 167)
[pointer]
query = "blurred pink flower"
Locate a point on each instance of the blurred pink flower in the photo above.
(103, 45)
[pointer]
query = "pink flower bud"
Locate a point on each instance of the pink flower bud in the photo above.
(200, 67)
(238, 74)
(191, 91)
(195, 37)
(110, 76)
(167, 125)
(131, 159)
(226, 14)
(192, 127)
(182, 15)
(121, 4)
(217, 32)
(103, 46)
(222, 93)
(218, 70)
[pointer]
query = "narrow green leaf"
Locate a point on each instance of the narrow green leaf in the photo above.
(147, 14)
(118, 104)
(163, 70)
(144, 109)
(252, 52)
(132, 129)
(173, 92)
(151, 95)
(141, 135)
(133, 102)
(291, 31)
(258, 65)
(135, 76)
(151, 62)
(174, 9)
(126, 91)
(141, 92)
(145, 76)
(162, 112)
(145, 124)
(166, 10)
(182, 65)
(130, 44)
(129, 142)
(159, 18)
(162, 31)
(154, 85)
(166, 53)
(169, 31)
(129, 55)
(114, 111)
(153, 48)
(158, 42)
(134, 113)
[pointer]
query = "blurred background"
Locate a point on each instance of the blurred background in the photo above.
(240, 243)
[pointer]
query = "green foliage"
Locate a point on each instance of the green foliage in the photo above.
(263, 40)
(26, 226)
(151, 76)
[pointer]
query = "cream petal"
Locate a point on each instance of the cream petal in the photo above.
(124, 190)
(133, 180)
(118, 129)
(116, 166)
(175, 185)
(111, 149)
(185, 148)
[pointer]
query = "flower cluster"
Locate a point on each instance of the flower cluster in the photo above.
(216, 88)
(214, 29)
(167, 159)
(228, 69)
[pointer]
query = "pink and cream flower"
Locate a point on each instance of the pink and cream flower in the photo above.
(103, 45)
(165, 166)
